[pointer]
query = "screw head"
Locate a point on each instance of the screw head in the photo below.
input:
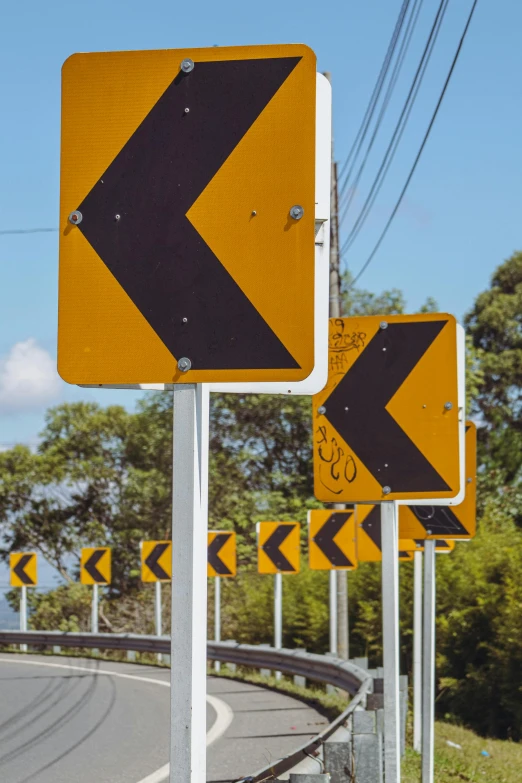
(321, 410)
(117, 217)
(184, 364)
(187, 65)
(296, 212)
(184, 320)
(254, 212)
(383, 325)
(75, 217)
(187, 110)
(386, 490)
(428, 532)
(469, 480)
(448, 405)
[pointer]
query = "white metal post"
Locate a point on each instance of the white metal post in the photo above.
(428, 661)
(278, 615)
(417, 651)
(390, 628)
(157, 612)
(94, 609)
(23, 614)
(217, 616)
(333, 612)
(189, 587)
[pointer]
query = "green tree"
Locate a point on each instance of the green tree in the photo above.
(495, 326)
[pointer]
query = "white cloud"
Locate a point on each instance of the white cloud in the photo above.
(28, 378)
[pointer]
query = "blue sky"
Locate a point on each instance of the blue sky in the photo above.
(461, 216)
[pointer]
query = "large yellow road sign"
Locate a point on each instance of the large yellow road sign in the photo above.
(23, 569)
(448, 522)
(187, 216)
(387, 426)
(369, 539)
(156, 561)
(332, 540)
(221, 558)
(278, 547)
(95, 566)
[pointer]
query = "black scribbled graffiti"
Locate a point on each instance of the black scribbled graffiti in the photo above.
(337, 465)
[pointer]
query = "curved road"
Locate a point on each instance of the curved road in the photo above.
(64, 719)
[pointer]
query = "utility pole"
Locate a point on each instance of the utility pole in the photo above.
(335, 312)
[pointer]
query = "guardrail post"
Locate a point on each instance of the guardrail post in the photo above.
(131, 655)
(367, 748)
(57, 650)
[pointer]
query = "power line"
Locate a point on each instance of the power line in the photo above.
(27, 231)
(408, 34)
(370, 109)
(419, 153)
(399, 128)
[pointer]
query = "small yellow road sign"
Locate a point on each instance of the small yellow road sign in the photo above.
(221, 553)
(95, 566)
(332, 542)
(278, 547)
(369, 541)
(156, 561)
(158, 213)
(448, 522)
(23, 569)
(387, 425)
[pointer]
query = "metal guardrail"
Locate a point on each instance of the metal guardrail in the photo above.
(332, 671)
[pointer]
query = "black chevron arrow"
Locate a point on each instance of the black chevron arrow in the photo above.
(92, 562)
(357, 407)
(215, 546)
(154, 252)
(272, 544)
(439, 520)
(372, 526)
(325, 539)
(19, 570)
(151, 561)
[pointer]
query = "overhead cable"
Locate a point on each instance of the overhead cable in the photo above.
(419, 153)
(399, 128)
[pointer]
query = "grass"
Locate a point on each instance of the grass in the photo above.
(504, 764)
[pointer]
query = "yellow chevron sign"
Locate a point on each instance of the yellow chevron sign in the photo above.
(156, 561)
(369, 546)
(23, 569)
(387, 426)
(158, 212)
(221, 554)
(95, 566)
(278, 547)
(447, 522)
(332, 540)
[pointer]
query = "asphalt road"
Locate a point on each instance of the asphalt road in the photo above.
(67, 719)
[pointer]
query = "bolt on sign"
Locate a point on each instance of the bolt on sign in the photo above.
(278, 547)
(186, 254)
(156, 561)
(23, 569)
(95, 566)
(369, 540)
(389, 423)
(448, 522)
(332, 540)
(221, 560)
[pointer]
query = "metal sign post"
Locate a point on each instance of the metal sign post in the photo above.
(417, 651)
(94, 609)
(189, 588)
(23, 614)
(278, 614)
(390, 627)
(157, 613)
(428, 660)
(217, 616)
(333, 612)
